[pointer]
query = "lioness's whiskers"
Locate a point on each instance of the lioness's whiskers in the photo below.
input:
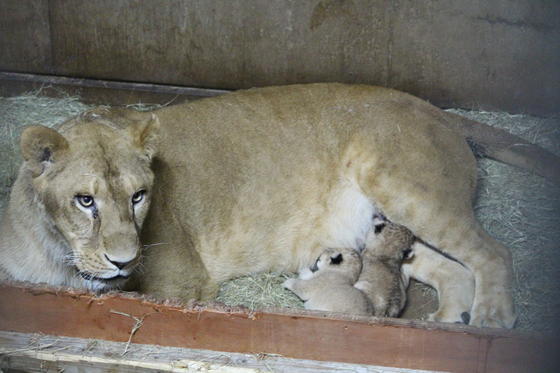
(148, 246)
(72, 259)
(77, 276)
(93, 175)
(155, 244)
(141, 266)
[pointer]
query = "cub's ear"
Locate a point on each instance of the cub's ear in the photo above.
(40, 146)
(337, 259)
(145, 135)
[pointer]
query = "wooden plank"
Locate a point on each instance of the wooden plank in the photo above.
(303, 335)
(100, 92)
(94, 96)
(31, 352)
(97, 83)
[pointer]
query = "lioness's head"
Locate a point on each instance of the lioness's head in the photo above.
(94, 181)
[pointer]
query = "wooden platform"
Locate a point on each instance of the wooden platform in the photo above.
(44, 353)
(302, 335)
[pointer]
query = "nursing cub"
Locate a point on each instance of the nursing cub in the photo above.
(387, 246)
(331, 286)
(342, 281)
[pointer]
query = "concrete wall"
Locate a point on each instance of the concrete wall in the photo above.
(492, 54)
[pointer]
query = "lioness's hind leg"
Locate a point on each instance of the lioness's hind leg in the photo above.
(489, 261)
(453, 282)
(501, 313)
(424, 177)
(441, 215)
(448, 223)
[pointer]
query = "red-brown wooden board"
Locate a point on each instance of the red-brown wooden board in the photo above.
(304, 335)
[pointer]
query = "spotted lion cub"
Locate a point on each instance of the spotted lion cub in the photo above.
(331, 286)
(387, 246)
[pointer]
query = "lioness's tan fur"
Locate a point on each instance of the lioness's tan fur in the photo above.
(45, 237)
(258, 180)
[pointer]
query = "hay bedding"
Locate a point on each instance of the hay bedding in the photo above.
(519, 209)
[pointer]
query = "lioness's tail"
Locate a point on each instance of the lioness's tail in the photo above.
(502, 146)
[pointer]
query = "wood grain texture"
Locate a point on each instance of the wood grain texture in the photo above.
(31, 352)
(307, 335)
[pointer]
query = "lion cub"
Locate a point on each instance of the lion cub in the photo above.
(331, 286)
(387, 245)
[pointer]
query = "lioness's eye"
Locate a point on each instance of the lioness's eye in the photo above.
(138, 196)
(85, 201)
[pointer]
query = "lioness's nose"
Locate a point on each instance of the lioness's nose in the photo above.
(117, 263)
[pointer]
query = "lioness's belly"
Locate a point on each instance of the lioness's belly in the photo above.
(264, 180)
(338, 217)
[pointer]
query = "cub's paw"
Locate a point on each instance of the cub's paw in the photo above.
(289, 283)
(494, 312)
(305, 274)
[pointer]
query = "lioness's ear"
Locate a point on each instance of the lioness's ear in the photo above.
(145, 135)
(41, 145)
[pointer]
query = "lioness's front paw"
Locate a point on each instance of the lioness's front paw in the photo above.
(494, 312)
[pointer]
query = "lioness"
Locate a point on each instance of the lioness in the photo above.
(255, 180)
